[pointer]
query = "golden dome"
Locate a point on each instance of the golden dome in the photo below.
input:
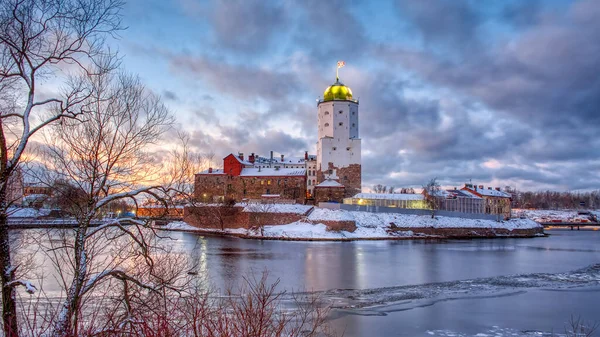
(337, 91)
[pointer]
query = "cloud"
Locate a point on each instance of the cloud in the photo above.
(238, 80)
(170, 95)
(445, 86)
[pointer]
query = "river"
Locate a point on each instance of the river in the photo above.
(442, 309)
(423, 288)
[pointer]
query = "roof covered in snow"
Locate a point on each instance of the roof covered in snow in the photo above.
(272, 172)
(214, 171)
(393, 196)
(243, 162)
(277, 160)
(330, 183)
(462, 194)
(489, 192)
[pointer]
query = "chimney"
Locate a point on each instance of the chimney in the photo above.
(241, 155)
(489, 188)
(251, 158)
(481, 187)
(282, 158)
(498, 189)
(305, 155)
(210, 170)
(271, 157)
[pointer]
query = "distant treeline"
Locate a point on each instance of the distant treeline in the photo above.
(555, 200)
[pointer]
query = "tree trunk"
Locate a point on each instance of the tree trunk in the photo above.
(66, 324)
(9, 306)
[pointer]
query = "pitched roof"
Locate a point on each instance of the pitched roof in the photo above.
(243, 162)
(385, 196)
(329, 183)
(272, 172)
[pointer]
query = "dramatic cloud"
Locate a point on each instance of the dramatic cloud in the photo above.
(502, 93)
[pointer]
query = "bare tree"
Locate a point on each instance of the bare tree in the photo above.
(185, 162)
(222, 211)
(432, 191)
(40, 39)
(103, 157)
(379, 188)
(259, 215)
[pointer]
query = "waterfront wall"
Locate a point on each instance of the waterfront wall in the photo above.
(222, 217)
(455, 233)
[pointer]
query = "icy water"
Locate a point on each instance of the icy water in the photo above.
(499, 287)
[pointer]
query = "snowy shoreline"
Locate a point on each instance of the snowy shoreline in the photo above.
(375, 226)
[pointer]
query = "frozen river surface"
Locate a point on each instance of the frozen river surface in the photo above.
(501, 287)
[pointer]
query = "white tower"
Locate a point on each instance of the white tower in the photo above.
(338, 147)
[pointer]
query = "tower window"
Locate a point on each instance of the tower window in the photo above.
(334, 148)
(348, 148)
(353, 112)
(326, 124)
(341, 111)
(326, 112)
(341, 123)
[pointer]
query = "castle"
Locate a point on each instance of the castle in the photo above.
(333, 174)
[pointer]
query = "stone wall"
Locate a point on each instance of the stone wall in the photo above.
(350, 177)
(339, 225)
(210, 187)
(328, 194)
(222, 217)
(455, 233)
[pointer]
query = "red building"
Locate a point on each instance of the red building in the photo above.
(240, 179)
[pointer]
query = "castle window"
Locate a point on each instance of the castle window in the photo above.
(341, 111)
(244, 192)
(309, 182)
(334, 148)
(353, 112)
(326, 124)
(268, 182)
(262, 182)
(353, 125)
(341, 123)
(326, 112)
(348, 149)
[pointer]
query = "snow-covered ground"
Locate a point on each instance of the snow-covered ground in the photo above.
(377, 220)
(368, 225)
(541, 215)
(278, 208)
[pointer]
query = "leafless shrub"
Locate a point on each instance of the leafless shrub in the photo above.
(576, 327)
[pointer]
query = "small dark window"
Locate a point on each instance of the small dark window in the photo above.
(353, 125)
(244, 192)
(341, 123)
(334, 148)
(353, 112)
(348, 149)
(341, 111)
(327, 112)
(268, 191)
(326, 124)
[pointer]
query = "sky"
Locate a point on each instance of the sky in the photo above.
(500, 93)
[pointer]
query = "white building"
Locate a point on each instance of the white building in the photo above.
(339, 145)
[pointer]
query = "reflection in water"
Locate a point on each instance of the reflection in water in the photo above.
(319, 266)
